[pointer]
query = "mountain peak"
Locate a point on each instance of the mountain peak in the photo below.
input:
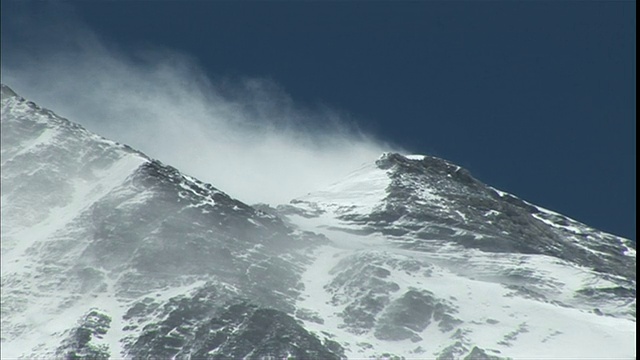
(415, 162)
(432, 199)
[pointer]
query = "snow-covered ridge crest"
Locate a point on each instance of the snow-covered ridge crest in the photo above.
(432, 198)
(102, 247)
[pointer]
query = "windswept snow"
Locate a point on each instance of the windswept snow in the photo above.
(414, 157)
(361, 191)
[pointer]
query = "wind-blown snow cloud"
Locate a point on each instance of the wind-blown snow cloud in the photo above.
(246, 136)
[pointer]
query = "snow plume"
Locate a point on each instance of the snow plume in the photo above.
(246, 136)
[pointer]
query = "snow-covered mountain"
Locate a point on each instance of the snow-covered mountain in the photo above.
(107, 253)
(426, 261)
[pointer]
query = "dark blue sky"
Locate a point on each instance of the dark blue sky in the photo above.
(536, 98)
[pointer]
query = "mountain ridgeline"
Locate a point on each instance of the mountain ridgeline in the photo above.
(107, 253)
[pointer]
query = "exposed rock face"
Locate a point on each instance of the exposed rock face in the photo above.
(107, 253)
(412, 313)
(79, 344)
(192, 327)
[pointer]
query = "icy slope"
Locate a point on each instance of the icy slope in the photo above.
(425, 262)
